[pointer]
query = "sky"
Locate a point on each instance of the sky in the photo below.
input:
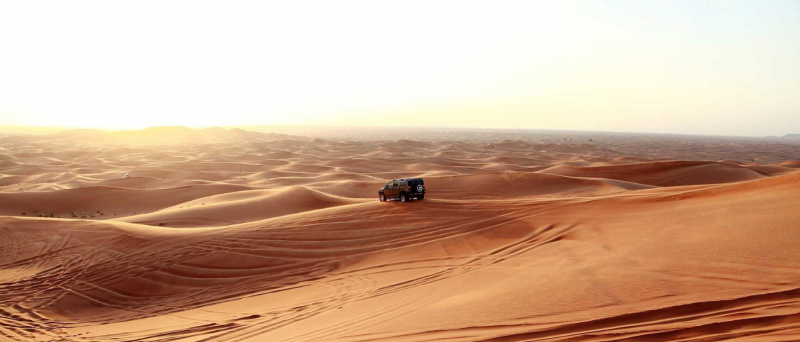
(687, 67)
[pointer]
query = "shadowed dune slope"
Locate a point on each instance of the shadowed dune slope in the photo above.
(106, 200)
(792, 164)
(515, 184)
(215, 211)
(667, 173)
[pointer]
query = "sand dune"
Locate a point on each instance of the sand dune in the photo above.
(280, 238)
(215, 212)
(792, 163)
(510, 185)
(666, 173)
(109, 201)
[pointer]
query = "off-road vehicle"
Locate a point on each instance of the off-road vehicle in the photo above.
(403, 189)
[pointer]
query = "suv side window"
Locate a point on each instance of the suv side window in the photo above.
(389, 185)
(395, 184)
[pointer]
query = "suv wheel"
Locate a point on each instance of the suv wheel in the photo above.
(382, 197)
(403, 198)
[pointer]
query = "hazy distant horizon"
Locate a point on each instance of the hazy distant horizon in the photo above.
(315, 130)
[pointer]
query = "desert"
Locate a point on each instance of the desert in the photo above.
(237, 235)
(405, 171)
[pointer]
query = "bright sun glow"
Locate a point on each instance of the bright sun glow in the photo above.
(683, 67)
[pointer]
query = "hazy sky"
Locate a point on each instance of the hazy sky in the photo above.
(699, 67)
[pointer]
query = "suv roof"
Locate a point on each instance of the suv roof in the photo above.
(410, 180)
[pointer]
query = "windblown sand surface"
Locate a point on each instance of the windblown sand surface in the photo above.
(229, 235)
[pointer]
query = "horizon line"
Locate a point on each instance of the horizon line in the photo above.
(58, 129)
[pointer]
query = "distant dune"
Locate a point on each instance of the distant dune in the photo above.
(668, 173)
(161, 136)
(230, 235)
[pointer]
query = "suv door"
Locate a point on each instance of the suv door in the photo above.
(395, 189)
(387, 190)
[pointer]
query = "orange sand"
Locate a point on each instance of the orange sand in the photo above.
(229, 235)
